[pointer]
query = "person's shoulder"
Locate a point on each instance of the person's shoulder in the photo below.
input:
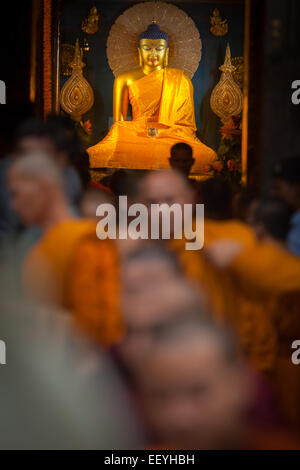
(67, 232)
(229, 229)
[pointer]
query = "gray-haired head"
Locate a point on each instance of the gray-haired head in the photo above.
(38, 165)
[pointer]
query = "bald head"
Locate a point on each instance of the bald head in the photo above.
(202, 334)
(36, 185)
(154, 304)
(166, 187)
(38, 166)
(150, 307)
(182, 158)
(194, 387)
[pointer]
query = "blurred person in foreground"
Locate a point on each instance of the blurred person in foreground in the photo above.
(91, 199)
(266, 282)
(286, 185)
(168, 188)
(58, 390)
(172, 187)
(195, 393)
(271, 221)
(260, 263)
(155, 294)
(56, 138)
(254, 269)
(11, 115)
(244, 202)
(260, 268)
(69, 266)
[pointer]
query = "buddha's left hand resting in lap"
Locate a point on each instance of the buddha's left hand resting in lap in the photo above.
(162, 113)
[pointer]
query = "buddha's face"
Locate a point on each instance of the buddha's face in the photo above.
(153, 52)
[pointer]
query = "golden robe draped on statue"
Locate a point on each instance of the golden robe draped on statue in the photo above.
(162, 100)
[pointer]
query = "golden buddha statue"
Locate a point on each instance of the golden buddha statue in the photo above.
(162, 113)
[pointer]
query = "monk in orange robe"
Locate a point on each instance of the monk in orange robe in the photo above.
(162, 114)
(228, 306)
(94, 290)
(265, 267)
(71, 268)
(268, 277)
(57, 264)
(232, 301)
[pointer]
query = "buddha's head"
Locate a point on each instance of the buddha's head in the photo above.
(153, 48)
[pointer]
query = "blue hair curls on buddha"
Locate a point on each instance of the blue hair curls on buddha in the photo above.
(154, 32)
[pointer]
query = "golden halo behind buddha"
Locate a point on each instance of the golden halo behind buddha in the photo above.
(184, 41)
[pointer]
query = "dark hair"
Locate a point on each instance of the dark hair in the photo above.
(125, 182)
(216, 194)
(11, 115)
(32, 127)
(58, 129)
(243, 201)
(182, 148)
(275, 215)
(62, 133)
(288, 169)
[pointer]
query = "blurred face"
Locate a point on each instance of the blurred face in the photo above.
(192, 398)
(91, 201)
(28, 198)
(141, 274)
(166, 188)
(32, 144)
(150, 292)
(153, 52)
(181, 162)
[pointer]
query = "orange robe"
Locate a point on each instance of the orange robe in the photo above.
(70, 268)
(232, 302)
(267, 281)
(162, 100)
(286, 376)
(251, 314)
(94, 290)
(267, 268)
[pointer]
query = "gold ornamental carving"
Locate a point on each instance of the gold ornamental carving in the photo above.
(184, 40)
(238, 74)
(67, 52)
(77, 96)
(227, 99)
(218, 27)
(90, 25)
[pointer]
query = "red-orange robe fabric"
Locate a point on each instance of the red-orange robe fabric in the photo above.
(72, 269)
(162, 100)
(232, 302)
